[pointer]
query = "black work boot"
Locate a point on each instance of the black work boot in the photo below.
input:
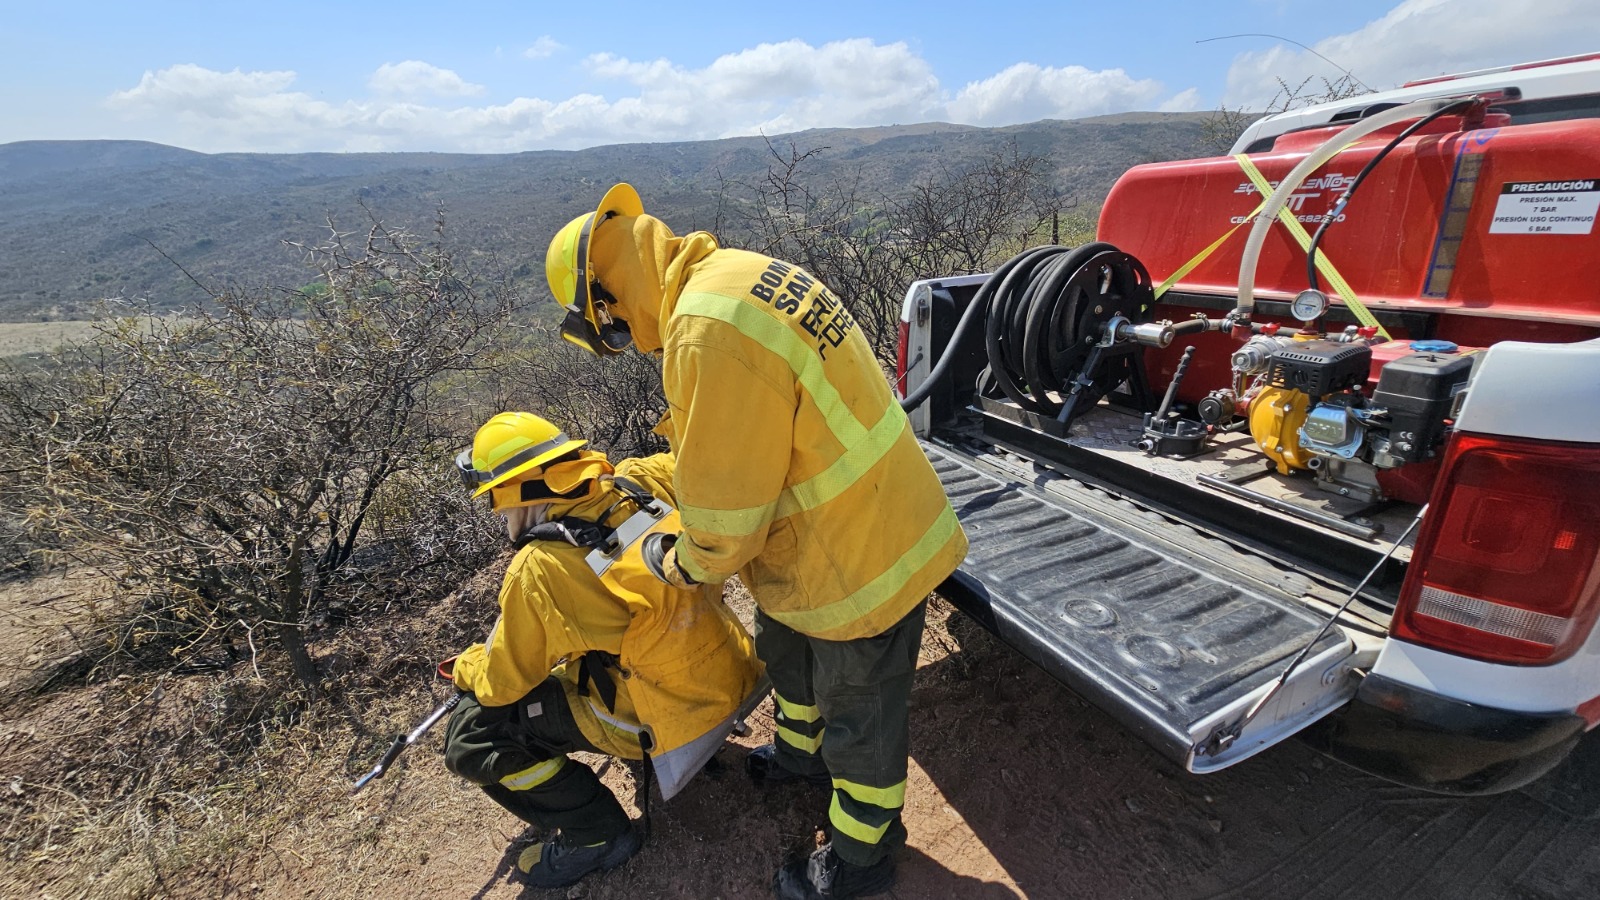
(766, 771)
(824, 876)
(556, 863)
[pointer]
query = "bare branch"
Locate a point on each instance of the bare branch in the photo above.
(245, 465)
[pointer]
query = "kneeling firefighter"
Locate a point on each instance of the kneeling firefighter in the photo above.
(591, 651)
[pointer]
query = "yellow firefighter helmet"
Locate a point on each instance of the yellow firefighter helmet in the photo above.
(566, 266)
(509, 445)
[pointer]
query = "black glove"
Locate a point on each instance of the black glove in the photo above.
(661, 558)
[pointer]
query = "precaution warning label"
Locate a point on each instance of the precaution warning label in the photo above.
(1565, 206)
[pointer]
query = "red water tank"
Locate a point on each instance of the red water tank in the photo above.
(1496, 221)
(1491, 228)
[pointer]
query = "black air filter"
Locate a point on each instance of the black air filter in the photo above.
(1320, 367)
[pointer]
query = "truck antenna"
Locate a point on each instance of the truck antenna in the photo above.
(1348, 74)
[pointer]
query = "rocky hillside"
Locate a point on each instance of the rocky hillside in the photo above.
(87, 220)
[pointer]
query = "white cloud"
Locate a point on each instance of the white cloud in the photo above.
(204, 91)
(1186, 100)
(1026, 92)
(787, 86)
(413, 79)
(1420, 39)
(210, 110)
(771, 88)
(543, 47)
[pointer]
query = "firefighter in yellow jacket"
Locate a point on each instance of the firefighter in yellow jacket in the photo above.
(591, 651)
(797, 470)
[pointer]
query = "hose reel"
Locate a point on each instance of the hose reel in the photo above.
(1061, 328)
(1046, 330)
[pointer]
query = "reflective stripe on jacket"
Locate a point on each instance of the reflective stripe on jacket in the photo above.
(684, 662)
(797, 468)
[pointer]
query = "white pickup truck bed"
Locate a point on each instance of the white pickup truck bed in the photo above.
(1174, 632)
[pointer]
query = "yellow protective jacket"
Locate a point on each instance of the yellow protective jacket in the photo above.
(686, 664)
(797, 469)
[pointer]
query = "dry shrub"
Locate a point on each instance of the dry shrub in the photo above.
(868, 246)
(1223, 127)
(148, 783)
(16, 550)
(614, 403)
(245, 472)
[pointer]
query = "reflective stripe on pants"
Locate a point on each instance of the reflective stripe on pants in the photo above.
(799, 725)
(860, 688)
(521, 763)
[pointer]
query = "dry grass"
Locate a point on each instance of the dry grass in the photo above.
(158, 785)
(23, 338)
(41, 619)
(155, 785)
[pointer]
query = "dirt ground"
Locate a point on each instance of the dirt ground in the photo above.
(1017, 789)
(33, 615)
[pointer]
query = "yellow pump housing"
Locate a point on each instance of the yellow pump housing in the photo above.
(1276, 415)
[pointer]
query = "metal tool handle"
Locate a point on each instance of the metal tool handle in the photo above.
(434, 717)
(401, 742)
(1172, 388)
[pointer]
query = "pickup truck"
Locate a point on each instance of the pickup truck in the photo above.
(1308, 441)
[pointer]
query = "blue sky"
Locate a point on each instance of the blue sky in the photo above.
(292, 76)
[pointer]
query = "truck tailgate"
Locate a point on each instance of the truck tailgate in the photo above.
(1173, 633)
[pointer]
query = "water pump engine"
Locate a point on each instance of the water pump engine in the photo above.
(1307, 411)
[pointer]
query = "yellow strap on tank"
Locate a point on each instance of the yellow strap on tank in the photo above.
(1335, 280)
(1200, 257)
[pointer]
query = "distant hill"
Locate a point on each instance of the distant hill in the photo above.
(83, 219)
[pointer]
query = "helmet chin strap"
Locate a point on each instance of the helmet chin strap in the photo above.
(614, 331)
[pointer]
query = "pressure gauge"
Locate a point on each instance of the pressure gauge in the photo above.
(1309, 305)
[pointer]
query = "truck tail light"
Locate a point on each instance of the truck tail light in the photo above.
(1505, 568)
(902, 340)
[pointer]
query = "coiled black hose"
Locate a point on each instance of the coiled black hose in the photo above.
(1026, 327)
(1041, 313)
(976, 311)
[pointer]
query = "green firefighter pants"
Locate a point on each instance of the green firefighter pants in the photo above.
(518, 755)
(841, 709)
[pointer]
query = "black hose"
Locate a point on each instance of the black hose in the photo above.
(1344, 198)
(1033, 308)
(1021, 322)
(976, 311)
